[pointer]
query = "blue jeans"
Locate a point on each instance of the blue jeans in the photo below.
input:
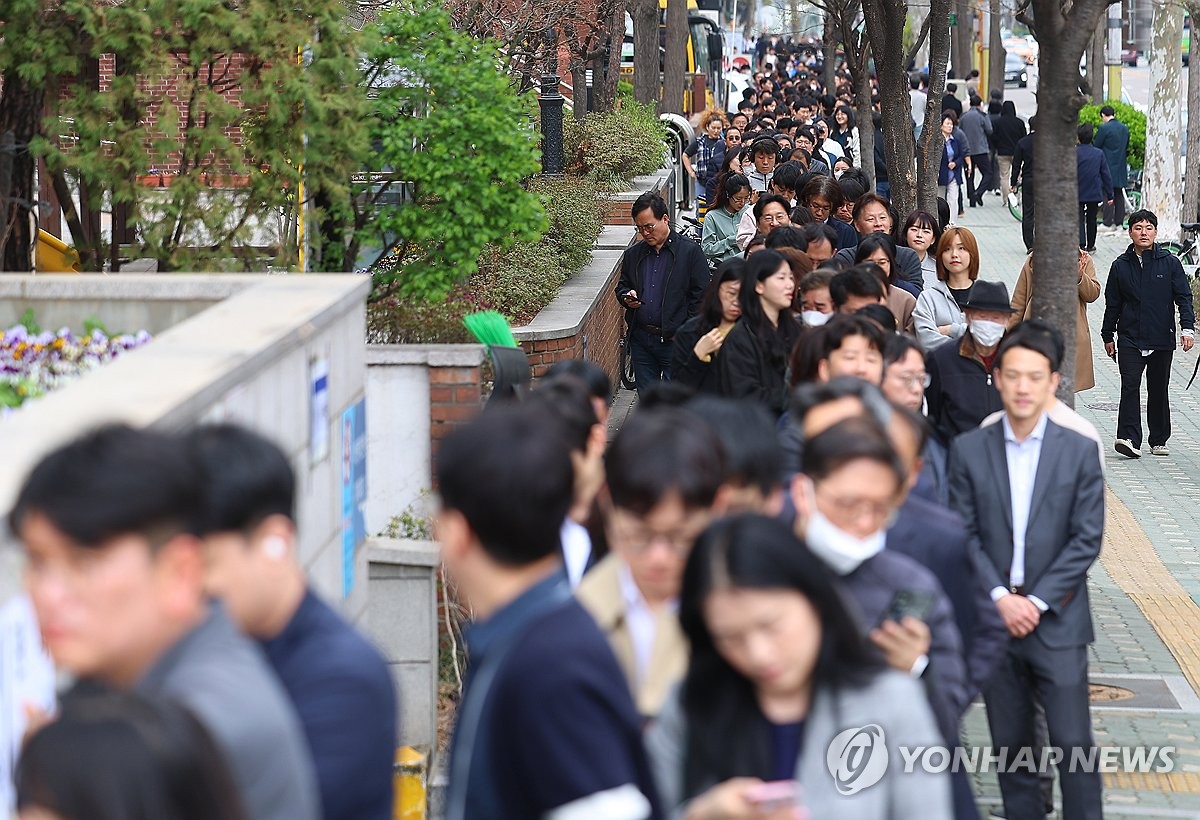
(884, 189)
(651, 358)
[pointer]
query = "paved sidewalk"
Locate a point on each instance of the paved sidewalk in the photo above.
(1145, 664)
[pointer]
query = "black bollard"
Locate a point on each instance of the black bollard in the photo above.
(551, 103)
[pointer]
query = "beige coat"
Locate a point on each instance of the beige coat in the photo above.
(1089, 291)
(600, 594)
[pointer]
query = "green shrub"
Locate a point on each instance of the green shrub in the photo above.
(612, 148)
(1133, 119)
(575, 218)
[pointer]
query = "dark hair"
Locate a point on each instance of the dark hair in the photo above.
(943, 209)
(1009, 109)
(124, 756)
(852, 186)
(113, 481)
(777, 340)
(880, 315)
(922, 219)
(873, 242)
(805, 359)
(590, 373)
(667, 393)
(826, 188)
(812, 280)
(759, 240)
(730, 184)
(855, 281)
(853, 439)
(247, 478)
(727, 735)
(649, 200)
(898, 346)
(787, 175)
(764, 145)
(510, 480)
(949, 114)
(1038, 336)
(566, 400)
(816, 231)
(1085, 132)
(851, 117)
(710, 304)
(786, 236)
(917, 424)
(748, 438)
(1143, 215)
(812, 394)
(975, 100)
(863, 200)
(660, 451)
(767, 199)
(841, 327)
(1106, 110)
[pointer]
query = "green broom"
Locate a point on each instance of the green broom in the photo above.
(490, 328)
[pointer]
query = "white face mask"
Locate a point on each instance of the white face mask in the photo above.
(987, 333)
(840, 550)
(814, 318)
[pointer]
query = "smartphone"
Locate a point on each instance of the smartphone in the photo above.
(909, 602)
(774, 796)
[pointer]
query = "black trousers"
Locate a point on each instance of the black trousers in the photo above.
(1030, 673)
(651, 357)
(983, 164)
(1157, 365)
(1027, 215)
(1114, 215)
(1087, 224)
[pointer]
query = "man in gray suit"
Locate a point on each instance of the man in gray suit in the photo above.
(1032, 495)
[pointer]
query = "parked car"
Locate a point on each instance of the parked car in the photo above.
(1016, 70)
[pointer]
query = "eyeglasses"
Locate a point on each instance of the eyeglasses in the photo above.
(853, 509)
(738, 200)
(648, 228)
(912, 380)
(637, 540)
(774, 219)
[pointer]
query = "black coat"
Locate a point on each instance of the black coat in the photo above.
(687, 277)
(1022, 163)
(847, 236)
(1140, 300)
(960, 392)
(1007, 131)
(750, 367)
(685, 367)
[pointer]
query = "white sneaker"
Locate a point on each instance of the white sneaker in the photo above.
(1159, 450)
(1125, 447)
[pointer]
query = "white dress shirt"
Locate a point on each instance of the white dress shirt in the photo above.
(576, 550)
(640, 619)
(1022, 458)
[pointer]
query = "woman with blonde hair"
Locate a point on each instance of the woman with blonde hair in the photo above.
(938, 316)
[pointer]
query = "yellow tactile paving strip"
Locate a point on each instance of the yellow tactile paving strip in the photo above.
(1132, 562)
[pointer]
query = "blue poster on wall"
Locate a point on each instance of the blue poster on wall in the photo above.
(354, 488)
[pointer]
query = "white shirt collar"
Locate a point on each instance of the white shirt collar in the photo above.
(1038, 433)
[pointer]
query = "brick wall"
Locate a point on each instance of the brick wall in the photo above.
(455, 394)
(596, 340)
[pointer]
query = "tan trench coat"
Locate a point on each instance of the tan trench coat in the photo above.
(1089, 291)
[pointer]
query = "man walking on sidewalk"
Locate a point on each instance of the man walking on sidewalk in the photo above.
(1113, 139)
(1145, 284)
(977, 125)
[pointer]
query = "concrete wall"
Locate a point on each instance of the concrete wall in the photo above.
(245, 358)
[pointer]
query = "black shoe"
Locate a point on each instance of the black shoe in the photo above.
(1092, 249)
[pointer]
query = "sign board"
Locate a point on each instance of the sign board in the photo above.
(354, 487)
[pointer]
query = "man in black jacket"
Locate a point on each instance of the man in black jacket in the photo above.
(1145, 284)
(662, 280)
(1022, 170)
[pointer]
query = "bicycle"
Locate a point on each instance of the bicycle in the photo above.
(690, 228)
(1132, 195)
(1186, 251)
(628, 379)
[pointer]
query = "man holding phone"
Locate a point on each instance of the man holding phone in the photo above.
(662, 280)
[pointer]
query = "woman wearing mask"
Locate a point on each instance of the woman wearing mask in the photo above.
(950, 174)
(777, 674)
(1088, 291)
(698, 343)
(753, 360)
(921, 234)
(719, 240)
(938, 316)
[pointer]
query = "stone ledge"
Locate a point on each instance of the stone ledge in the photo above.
(402, 551)
(651, 182)
(432, 355)
(173, 287)
(566, 314)
(615, 237)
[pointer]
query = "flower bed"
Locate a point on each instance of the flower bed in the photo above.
(33, 362)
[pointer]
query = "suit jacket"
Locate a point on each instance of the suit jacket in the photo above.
(1095, 183)
(936, 538)
(1066, 523)
(600, 594)
(1113, 139)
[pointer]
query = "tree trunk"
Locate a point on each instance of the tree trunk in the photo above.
(1061, 42)
(864, 112)
(1161, 191)
(751, 18)
(646, 85)
(964, 40)
(1095, 62)
(885, 27)
(830, 42)
(929, 148)
(607, 93)
(675, 61)
(996, 55)
(1191, 183)
(20, 111)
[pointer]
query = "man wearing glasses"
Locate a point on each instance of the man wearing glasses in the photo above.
(662, 280)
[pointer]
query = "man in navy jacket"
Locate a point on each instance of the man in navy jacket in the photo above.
(1145, 285)
(1095, 186)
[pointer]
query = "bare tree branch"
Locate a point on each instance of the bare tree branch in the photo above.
(920, 41)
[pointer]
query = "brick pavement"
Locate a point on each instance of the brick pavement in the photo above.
(1145, 590)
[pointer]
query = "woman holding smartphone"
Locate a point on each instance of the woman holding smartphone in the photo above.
(778, 674)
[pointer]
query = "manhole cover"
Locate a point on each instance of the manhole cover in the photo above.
(1107, 693)
(1105, 405)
